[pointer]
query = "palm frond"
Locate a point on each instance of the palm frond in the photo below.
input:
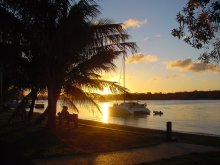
(93, 85)
(78, 96)
(85, 8)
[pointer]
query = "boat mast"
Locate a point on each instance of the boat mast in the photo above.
(124, 74)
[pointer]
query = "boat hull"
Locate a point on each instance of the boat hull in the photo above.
(158, 112)
(129, 108)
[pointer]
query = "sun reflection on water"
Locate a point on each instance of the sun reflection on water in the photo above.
(104, 108)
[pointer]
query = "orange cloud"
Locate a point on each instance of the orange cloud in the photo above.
(141, 58)
(134, 23)
(189, 65)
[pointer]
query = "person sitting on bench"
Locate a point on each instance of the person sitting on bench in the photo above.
(64, 114)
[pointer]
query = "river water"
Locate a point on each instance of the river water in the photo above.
(193, 116)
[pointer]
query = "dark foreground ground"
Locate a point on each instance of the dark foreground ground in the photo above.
(22, 142)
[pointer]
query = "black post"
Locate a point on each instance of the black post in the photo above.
(169, 130)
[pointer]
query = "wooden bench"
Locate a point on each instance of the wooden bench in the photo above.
(68, 118)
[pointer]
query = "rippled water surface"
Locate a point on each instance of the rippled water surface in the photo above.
(198, 116)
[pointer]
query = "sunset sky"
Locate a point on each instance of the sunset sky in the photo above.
(163, 63)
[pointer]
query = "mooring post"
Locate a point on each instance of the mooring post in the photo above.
(169, 130)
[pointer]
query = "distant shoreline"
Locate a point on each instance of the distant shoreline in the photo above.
(153, 99)
(194, 95)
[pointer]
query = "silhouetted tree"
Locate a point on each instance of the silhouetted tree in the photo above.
(68, 48)
(10, 58)
(199, 26)
(18, 72)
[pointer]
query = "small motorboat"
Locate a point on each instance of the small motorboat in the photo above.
(158, 112)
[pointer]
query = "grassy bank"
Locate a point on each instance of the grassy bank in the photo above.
(26, 141)
(36, 141)
(179, 137)
(21, 142)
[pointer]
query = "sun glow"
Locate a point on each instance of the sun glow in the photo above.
(104, 108)
(105, 91)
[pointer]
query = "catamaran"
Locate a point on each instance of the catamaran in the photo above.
(126, 107)
(129, 108)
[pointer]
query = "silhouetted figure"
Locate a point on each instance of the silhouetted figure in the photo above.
(65, 115)
(65, 112)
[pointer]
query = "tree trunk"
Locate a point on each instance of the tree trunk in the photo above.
(53, 95)
(33, 98)
(42, 116)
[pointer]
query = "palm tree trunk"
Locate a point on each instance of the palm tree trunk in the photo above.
(42, 116)
(33, 98)
(53, 95)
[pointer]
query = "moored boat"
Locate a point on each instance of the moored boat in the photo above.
(129, 108)
(158, 112)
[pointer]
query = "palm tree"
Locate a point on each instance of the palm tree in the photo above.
(69, 49)
(18, 68)
(87, 49)
(10, 60)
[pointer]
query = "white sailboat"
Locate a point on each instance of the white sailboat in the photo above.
(128, 108)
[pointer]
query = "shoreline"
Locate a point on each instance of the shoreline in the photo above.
(31, 141)
(175, 131)
(199, 133)
(145, 130)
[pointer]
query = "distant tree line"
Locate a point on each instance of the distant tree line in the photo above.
(194, 95)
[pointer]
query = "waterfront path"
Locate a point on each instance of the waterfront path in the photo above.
(131, 156)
